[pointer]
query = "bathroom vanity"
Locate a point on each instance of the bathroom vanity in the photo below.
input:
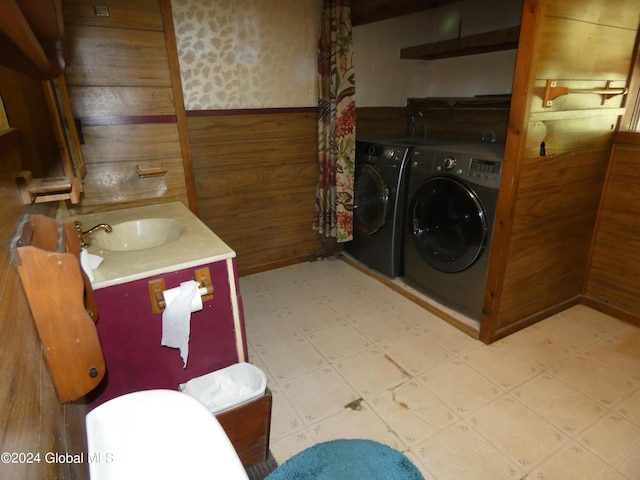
(129, 330)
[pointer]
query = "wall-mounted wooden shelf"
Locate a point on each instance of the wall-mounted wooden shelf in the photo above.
(495, 41)
(553, 91)
(368, 11)
(39, 190)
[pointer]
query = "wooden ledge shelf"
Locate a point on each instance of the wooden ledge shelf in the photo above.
(553, 91)
(495, 41)
(53, 189)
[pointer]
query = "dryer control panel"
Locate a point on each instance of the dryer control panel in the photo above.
(489, 167)
(485, 172)
(484, 168)
(475, 170)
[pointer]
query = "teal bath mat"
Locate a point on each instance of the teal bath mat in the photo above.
(347, 460)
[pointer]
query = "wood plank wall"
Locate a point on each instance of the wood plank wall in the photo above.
(454, 119)
(548, 204)
(381, 122)
(38, 143)
(122, 89)
(614, 271)
(255, 175)
(32, 419)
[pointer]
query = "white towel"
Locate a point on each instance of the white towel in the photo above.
(89, 262)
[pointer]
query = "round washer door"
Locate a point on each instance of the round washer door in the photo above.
(448, 224)
(371, 200)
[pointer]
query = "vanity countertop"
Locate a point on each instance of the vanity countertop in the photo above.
(197, 245)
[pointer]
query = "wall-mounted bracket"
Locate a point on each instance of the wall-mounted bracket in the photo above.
(553, 91)
(145, 171)
(39, 190)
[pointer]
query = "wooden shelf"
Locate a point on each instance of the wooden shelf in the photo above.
(369, 11)
(495, 41)
(480, 102)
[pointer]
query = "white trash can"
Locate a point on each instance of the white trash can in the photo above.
(227, 388)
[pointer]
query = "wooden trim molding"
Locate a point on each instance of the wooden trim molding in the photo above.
(523, 86)
(127, 120)
(178, 95)
(631, 138)
(631, 118)
(249, 111)
(610, 310)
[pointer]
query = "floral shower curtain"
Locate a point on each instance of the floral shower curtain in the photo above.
(336, 123)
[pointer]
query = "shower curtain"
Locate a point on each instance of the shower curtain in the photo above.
(336, 123)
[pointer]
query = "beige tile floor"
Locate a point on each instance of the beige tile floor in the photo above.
(347, 357)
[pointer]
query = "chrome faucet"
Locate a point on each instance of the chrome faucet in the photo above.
(82, 235)
(418, 112)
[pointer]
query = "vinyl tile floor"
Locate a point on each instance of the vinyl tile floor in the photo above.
(348, 357)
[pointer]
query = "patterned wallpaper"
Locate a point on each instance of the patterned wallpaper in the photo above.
(238, 54)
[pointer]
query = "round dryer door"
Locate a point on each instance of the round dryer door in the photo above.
(371, 200)
(448, 224)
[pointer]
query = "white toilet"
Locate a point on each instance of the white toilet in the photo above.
(159, 434)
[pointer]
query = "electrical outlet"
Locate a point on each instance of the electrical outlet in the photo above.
(101, 10)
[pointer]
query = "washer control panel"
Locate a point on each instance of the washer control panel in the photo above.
(479, 169)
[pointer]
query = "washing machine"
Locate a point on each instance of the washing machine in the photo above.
(452, 198)
(379, 205)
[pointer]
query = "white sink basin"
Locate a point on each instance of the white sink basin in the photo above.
(137, 234)
(196, 245)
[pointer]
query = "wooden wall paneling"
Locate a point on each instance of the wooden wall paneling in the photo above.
(611, 12)
(125, 88)
(137, 15)
(382, 122)
(214, 127)
(147, 142)
(257, 192)
(614, 270)
(29, 407)
(113, 153)
(589, 133)
(116, 57)
(114, 185)
(229, 214)
(462, 119)
(249, 155)
(609, 50)
(251, 181)
(121, 101)
(614, 284)
(551, 249)
(551, 234)
(38, 148)
(268, 242)
(31, 417)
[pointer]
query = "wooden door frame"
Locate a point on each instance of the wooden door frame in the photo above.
(631, 117)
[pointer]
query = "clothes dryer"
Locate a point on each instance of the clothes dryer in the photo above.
(379, 205)
(452, 198)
